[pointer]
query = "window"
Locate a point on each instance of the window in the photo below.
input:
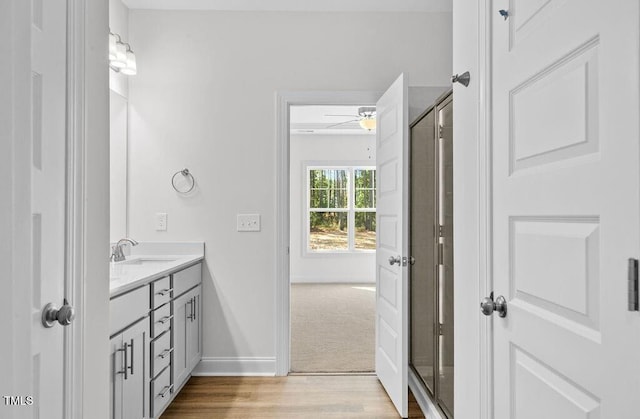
(341, 209)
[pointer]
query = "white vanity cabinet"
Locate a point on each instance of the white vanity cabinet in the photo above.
(156, 341)
(187, 337)
(129, 384)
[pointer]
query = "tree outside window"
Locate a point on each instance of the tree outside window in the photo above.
(341, 209)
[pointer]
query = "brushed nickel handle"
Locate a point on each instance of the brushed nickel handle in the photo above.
(394, 260)
(165, 390)
(164, 291)
(488, 306)
(63, 315)
(164, 353)
(165, 319)
(132, 357)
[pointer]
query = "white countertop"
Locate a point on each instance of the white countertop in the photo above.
(150, 261)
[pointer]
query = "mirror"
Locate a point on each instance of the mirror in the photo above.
(118, 156)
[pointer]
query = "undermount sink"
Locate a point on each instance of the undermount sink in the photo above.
(146, 261)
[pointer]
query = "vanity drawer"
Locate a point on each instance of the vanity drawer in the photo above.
(160, 320)
(161, 389)
(160, 292)
(128, 308)
(160, 353)
(186, 279)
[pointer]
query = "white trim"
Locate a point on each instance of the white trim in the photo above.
(427, 406)
(74, 286)
(228, 366)
(485, 199)
(283, 101)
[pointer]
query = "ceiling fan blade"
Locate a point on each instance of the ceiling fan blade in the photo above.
(342, 123)
(351, 116)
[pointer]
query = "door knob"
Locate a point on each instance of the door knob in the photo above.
(63, 315)
(394, 260)
(488, 306)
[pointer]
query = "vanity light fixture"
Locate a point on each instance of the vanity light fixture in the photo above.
(121, 56)
(130, 69)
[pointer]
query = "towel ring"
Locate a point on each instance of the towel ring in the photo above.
(185, 172)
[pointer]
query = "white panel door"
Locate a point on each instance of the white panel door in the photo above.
(565, 208)
(392, 209)
(48, 167)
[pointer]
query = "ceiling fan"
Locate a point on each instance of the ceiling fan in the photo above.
(366, 118)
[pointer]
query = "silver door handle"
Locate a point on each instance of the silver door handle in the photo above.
(488, 306)
(63, 315)
(165, 319)
(393, 260)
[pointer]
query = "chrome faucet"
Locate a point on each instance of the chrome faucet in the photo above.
(117, 254)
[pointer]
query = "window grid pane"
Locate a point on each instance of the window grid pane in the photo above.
(334, 204)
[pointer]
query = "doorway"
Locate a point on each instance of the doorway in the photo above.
(333, 238)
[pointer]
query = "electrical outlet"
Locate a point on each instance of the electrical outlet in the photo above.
(161, 221)
(248, 222)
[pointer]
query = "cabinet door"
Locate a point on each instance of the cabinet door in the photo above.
(135, 384)
(117, 369)
(182, 313)
(194, 331)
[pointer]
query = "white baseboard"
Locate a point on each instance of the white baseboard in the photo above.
(424, 401)
(331, 280)
(227, 366)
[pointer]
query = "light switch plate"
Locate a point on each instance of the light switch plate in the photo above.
(161, 221)
(248, 222)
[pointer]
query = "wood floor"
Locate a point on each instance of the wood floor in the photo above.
(350, 396)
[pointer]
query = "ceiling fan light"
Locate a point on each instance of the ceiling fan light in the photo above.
(368, 123)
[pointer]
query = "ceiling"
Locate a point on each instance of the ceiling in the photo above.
(313, 119)
(296, 5)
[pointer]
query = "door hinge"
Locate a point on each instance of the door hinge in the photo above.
(633, 284)
(440, 231)
(440, 329)
(440, 129)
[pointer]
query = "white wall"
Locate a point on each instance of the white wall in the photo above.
(204, 98)
(325, 149)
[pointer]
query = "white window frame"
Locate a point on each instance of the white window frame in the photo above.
(350, 168)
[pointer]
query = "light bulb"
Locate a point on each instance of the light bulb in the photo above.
(121, 56)
(112, 47)
(130, 69)
(368, 123)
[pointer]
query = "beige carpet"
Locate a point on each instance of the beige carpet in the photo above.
(332, 328)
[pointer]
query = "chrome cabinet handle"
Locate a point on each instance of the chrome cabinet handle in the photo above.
(126, 361)
(195, 308)
(166, 352)
(165, 390)
(164, 291)
(190, 316)
(165, 319)
(132, 357)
